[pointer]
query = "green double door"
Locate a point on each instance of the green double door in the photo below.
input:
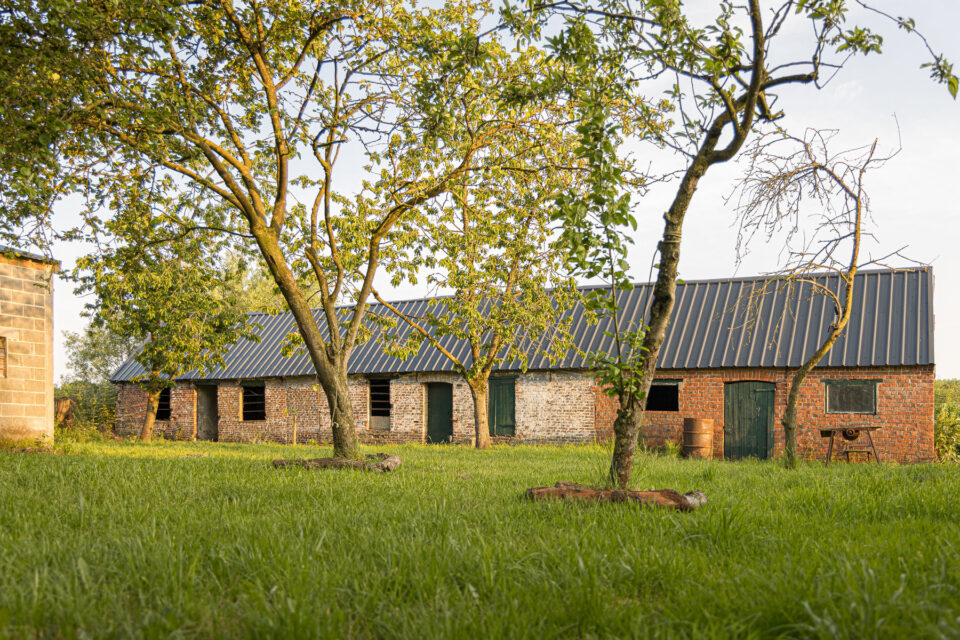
(748, 420)
(501, 401)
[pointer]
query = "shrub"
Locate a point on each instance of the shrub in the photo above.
(946, 432)
(93, 408)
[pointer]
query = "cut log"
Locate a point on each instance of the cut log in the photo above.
(660, 498)
(384, 463)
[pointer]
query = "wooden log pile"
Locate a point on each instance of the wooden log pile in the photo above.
(660, 498)
(378, 463)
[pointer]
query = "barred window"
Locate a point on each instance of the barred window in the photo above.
(380, 403)
(163, 406)
(254, 402)
(851, 396)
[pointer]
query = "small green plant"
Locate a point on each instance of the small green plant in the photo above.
(670, 449)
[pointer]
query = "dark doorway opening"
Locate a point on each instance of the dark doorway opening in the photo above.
(208, 418)
(439, 412)
(748, 420)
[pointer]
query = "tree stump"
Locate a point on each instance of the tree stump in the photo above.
(659, 498)
(378, 463)
(63, 412)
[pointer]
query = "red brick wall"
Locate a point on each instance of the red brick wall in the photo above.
(904, 409)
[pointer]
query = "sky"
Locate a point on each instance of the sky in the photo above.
(913, 197)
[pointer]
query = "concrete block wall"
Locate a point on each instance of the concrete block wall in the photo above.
(26, 326)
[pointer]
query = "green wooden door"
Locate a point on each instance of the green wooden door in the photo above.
(439, 412)
(501, 404)
(748, 420)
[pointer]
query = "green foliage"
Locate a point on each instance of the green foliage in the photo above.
(946, 392)
(946, 426)
(237, 117)
(133, 540)
(249, 284)
(151, 280)
(93, 356)
(93, 411)
(489, 239)
(946, 432)
(595, 219)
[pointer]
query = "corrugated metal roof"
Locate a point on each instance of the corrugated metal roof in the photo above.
(740, 322)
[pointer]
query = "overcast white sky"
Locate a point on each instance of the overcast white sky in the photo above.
(914, 197)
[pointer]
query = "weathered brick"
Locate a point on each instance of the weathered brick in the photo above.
(563, 406)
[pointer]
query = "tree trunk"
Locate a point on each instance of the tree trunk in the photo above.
(345, 443)
(664, 291)
(624, 446)
(630, 419)
(479, 390)
(789, 420)
(193, 424)
(153, 401)
(329, 359)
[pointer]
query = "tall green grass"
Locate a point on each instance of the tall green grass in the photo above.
(125, 539)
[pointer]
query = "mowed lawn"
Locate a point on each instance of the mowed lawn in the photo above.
(125, 539)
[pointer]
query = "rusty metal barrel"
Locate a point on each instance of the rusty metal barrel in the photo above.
(697, 438)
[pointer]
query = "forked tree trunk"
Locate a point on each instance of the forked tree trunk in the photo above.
(479, 389)
(329, 359)
(153, 401)
(789, 420)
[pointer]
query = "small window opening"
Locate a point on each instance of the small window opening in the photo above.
(163, 405)
(3, 357)
(851, 396)
(380, 404)
(254, 403)
(664, 396)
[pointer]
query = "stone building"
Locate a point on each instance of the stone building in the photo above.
(730, 353)
(26, 346)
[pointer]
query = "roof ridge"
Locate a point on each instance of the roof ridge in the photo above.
(680, 282)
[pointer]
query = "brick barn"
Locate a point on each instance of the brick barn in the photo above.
(725, 358)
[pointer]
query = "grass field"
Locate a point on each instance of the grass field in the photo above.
(124, 539)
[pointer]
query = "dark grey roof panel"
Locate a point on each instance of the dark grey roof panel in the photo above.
(745, 322)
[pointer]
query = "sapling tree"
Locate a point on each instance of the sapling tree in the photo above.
(150, 279)
(312, 128)
(799, 192)
(488, 242)
(721, 77)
